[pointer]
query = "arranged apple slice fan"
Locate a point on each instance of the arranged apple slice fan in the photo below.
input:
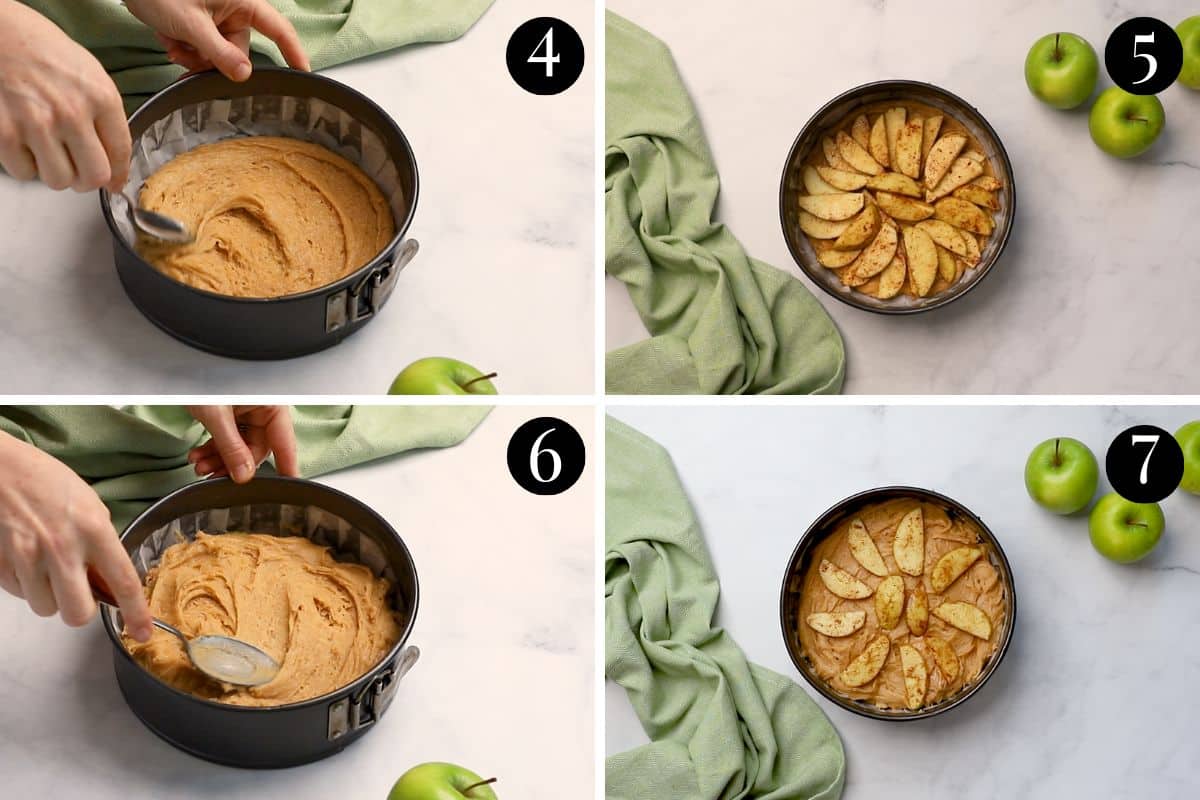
(892, 603)
(896, 209)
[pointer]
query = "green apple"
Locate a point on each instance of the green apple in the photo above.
(1125, 531)
(1125, 125)
(1061, 70)
(1189, 441)
(1061, 475)
(1189, 36)
(442, 376)
(438, 781)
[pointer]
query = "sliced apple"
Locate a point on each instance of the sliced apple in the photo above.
(837, 624)
(944, 655)
(908, 147)
(966, 617)
(878, 144)
(893, 121)
(941, 156)
(988, 183)
(909, 545)
(844, 180)
(945, 235)
(864, 668)
(951, 566)
(819, 228)
(977, 195)
(916, 680)
(832, 207)
(975, 156)
(815, 184)
(964, 214)
(916, 613)
(878, 254)
(842, 583)
(889, 601)
(905, 209)
(860, 132)
(933, 125)
(863, 228)
(891, 280)
(856, 155)
(961, 172)
(895, 183)
(947, 264)
(922, 257)
(832, 258)
(833, 157)
(973, 256)
(863, 548)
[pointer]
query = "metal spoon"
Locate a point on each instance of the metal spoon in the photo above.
(160, 226)
(222, 658)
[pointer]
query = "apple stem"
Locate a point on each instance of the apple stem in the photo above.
(489, 376)
(1137, 524)
(1057, 52)
(1138, 119)
(1057, 460)
(481, 783)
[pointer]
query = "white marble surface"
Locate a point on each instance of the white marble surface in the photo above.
(504, 279)
(1096, 290)
(1095, 697)
(505, 684)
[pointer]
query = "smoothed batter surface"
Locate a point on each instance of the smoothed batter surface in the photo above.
(326, 622)
(272, 217)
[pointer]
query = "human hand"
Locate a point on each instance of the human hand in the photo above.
(203, 34)
(242, 437)
(52, 528)
(61, 117)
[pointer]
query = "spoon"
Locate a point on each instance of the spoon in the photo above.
(222, 658)
(160, 226)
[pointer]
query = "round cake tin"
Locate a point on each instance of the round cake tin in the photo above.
(208, 107)
(276, 736)
(832, 116)
(797, 567)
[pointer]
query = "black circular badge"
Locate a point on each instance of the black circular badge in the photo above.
(546, 456)
(545, 56)
(1143, 55)
(1144, 464)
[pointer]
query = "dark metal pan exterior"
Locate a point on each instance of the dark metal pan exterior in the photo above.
(269, 328)
(789, 598)
(280, 736)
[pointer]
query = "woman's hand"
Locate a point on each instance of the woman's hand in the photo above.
(203, 34)
(242, 438)
(61, 117)
(52, 528)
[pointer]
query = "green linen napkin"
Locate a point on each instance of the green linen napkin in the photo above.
(135, 455)
(722, 728)
(721, 322)
(333, 31)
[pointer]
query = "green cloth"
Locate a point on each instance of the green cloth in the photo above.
(333, 31)
(135, 455)
(721, 727)
(721, 322)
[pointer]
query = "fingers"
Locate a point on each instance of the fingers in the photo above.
(281, 438)
(113, 131)
(270, 23)
(186, 56)
(14, 155)
(92, 168)
(201, 33)
(8, 578)
(35, 587)
(112, 564)
(51, 159)
(72, 593)
(235, 455)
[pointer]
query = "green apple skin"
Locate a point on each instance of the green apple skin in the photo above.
(1061, 70)
(440, 376)
(1189, 36)
(1189, 441)
(1124, 531)
(1125, 125)
(1061, 475)
(439, 781)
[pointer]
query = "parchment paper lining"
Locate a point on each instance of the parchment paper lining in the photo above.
(305, 118)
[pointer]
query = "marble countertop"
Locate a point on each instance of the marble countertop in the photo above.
(504, 279)
(505, 684)
(1096, 290)
(1094, 697)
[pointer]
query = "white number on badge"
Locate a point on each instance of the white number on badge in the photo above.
(535, 460)
(1152, 440)
(551, 58)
